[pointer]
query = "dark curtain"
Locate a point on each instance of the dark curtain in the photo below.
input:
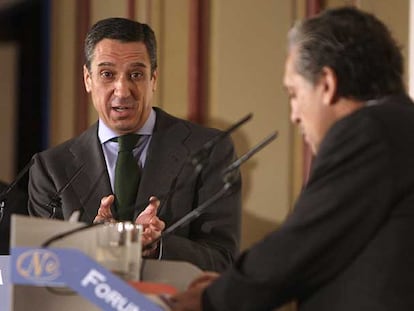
(26, 23)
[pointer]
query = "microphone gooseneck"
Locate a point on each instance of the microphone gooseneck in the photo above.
(55, 202)
(228, 179)
(197, 211)
(228, 172)
(69, 232)
(199, 157)
(10, 187)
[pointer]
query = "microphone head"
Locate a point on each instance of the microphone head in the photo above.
(200, 157)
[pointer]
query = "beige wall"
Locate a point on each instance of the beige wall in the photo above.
(173, 36)
(247, 62)
(246, 58)
(62, 71)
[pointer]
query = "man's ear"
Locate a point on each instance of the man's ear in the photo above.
(154, 80)
(329, 83)
(87, 79)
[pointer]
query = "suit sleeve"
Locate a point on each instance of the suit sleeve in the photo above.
(345, 202)
(212, 242)
(40, 185)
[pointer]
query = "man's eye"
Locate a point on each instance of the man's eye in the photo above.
(137, 75)
(106, 74)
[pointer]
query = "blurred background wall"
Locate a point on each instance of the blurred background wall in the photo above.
(218, 61)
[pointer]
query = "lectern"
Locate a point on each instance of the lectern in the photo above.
(33, 232)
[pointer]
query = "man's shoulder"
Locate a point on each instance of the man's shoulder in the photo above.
(166, 120)
(84, 139)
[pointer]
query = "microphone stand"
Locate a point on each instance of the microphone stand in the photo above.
(199, 157)
(195, 212)
(229, 178)
(55, 202)
(67, 233)
(4, 194)
(236, 164)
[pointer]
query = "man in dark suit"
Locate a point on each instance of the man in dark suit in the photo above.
(349, 242)
(121, 75)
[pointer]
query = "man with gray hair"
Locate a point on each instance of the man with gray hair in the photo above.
(349, 242)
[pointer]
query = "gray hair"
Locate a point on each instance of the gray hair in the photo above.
(356, 46)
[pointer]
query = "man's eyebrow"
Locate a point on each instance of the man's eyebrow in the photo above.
(109, 64)
(139, 64)
(106, 64)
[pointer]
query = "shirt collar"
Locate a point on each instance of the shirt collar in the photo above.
(105, 133)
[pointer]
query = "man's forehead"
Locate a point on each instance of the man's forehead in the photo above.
(289, 68)
(112, 50)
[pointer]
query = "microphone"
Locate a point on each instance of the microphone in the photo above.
(76, 213)
(55, 201)
(199, 157)
(228, 172)
(9, 188)
(70, 232)
(228, 179)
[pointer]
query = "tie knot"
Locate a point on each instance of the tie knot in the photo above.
(127, 142)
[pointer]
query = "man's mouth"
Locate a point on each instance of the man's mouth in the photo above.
(120, 109)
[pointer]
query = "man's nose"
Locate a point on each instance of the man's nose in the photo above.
(294, 117)
(122, 87)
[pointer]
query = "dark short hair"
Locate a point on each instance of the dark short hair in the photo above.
(124, 30)
(356, 45)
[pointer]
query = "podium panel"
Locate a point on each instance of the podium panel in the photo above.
(5, 285)
(40, 298)
(33, 232)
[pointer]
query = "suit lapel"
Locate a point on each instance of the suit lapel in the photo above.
(166, 157)
(93, 182)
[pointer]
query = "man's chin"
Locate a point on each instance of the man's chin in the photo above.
(123, 127)
(312, 147)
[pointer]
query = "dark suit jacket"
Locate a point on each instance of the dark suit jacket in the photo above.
(211, 241)
(349, 242)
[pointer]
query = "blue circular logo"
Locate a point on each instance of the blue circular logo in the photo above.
(38, 265)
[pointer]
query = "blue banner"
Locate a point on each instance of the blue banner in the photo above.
(72, 268)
